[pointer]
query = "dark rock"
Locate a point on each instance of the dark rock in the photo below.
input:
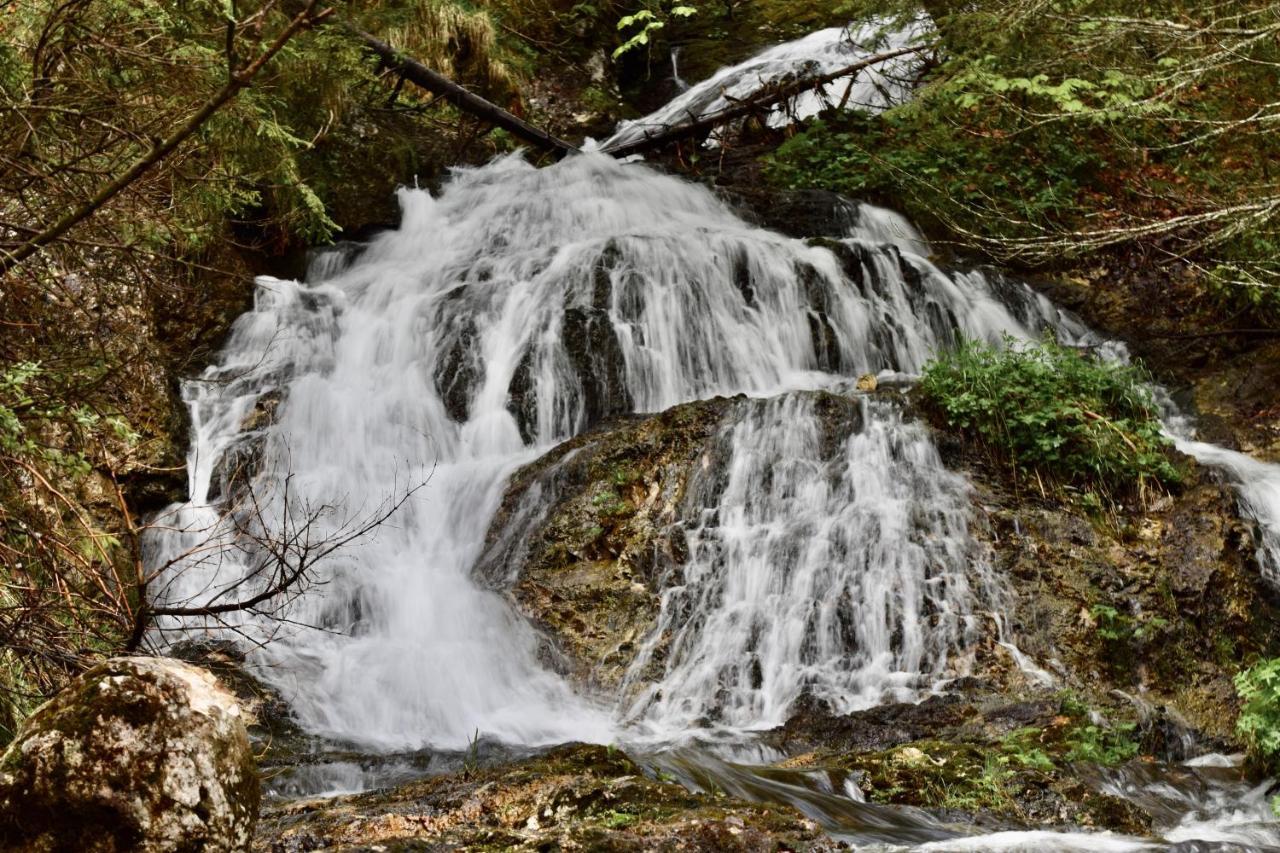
(799, 213)
(460, 369)
(596, 356)
(522, 399)
(592, 352)
(812, 726)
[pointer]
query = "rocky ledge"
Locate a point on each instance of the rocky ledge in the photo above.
(575, 797)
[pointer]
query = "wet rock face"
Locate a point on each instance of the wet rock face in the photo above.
(588, 537)
(591, 353)
(460, 370)
(1158, 599)
(975, 754)
(798, 213)
(138, 754)
(585, 535)
(596, 356)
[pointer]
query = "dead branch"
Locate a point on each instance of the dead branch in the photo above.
(469, 102)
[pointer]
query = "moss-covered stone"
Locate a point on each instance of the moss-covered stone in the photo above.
(1165, 599)
(572, 798)
(980, 755)
(142, 754)
(589, 536)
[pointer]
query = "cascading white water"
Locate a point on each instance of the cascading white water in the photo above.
(833, 564)
(461, 347)
(524, 305)
(819, 53)
(508, 314)
(1258, 485)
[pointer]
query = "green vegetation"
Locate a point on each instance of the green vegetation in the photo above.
(174, 135)
(1106, 746)
(1120, 627)
(1053, 412)
(1259, 722)
(644, 23)
(1046, 131)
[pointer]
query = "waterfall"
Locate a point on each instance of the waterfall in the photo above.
(1258, 486)
(834, 564)
(515, 310)
(823, 52)
(521, 307)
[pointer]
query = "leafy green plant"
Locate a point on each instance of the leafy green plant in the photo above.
(1103, 745)
(1259, 722)
(1053, 412)
(1020, 749)
(644, 23)
(1119, 627)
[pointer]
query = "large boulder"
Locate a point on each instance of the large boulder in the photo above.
(144, 754)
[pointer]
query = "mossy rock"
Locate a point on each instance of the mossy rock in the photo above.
(585, 534)
(137, 754)
(574, 797)
(589, 536)
(1164, 599)
(981, 757)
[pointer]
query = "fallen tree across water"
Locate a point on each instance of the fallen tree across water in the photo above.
(764, 100)
(415, 72)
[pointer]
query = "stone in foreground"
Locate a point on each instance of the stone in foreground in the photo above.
(144, 754)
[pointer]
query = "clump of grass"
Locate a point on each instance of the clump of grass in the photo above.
(1054, 413)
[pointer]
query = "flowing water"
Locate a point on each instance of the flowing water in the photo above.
(823, 52)
(510, 313)
(522, 306)
(843, 572)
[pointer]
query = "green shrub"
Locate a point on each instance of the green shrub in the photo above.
(1259, 720)
(1106, 746)
(1054, 412)
(923, 167)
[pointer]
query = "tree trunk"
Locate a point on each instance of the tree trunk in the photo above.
(419, 74)
(760, 101)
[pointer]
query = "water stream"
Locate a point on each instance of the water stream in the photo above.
(823, 52)
(522, 306)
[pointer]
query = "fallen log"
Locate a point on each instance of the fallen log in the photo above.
(417, 73)
(760, 101)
